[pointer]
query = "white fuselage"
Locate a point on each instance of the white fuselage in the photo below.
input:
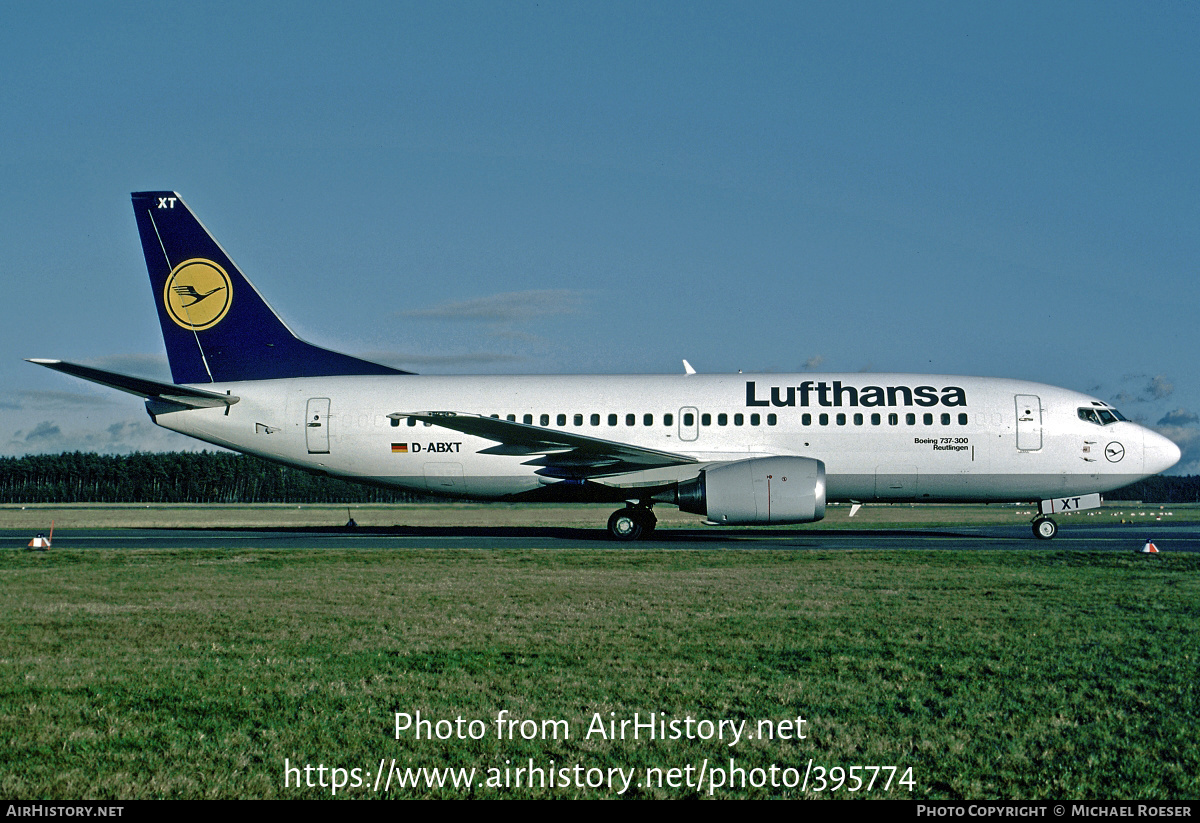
(894, 437)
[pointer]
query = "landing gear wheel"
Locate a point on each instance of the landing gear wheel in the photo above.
(626, 525)
(1044, 528)
(632, 523)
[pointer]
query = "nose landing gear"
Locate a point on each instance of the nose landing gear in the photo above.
(1044, 528)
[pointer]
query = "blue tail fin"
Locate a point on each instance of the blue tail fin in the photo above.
(216, 326)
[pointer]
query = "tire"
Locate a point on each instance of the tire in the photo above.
(1044, 528)
(626, 525)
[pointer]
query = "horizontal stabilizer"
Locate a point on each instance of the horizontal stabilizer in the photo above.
(150, 389)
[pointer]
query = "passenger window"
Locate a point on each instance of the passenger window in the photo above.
(612, 420)
(579, 420)
(806, 419)
(876, 419)
(544, 420)
(946, 419)
(928, 419)
(823, 419)
(706, 419)
(858, 419)
(739, 419)
(528, 420)
(689, 419)
(631, 420)
(562, 420)
(722, 419)
(755, 420)
(647, 420)
(595, 420)
(893, 419)
(962, 420)
(669, 420)
(910, 419)
(772, 418)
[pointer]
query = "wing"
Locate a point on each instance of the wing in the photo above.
(560, 454)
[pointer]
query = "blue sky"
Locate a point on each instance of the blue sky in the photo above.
(1005, 189)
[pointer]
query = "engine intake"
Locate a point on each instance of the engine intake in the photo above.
(760, 490)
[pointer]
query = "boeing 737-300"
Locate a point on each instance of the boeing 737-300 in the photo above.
(735, 449)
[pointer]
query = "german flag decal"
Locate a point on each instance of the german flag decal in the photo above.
(399, 448)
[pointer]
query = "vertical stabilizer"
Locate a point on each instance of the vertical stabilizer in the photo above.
(215, 324)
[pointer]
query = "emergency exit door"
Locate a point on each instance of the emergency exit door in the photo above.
(689, 423)
(316, 425)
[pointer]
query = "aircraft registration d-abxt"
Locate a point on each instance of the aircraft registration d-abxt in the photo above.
(737, 449)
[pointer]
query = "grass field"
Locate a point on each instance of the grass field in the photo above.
(1040, 674)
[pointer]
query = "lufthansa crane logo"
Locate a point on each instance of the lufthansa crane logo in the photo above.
(1114, 451)
(198, 294)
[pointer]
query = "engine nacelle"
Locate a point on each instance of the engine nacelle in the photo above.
(760, 490)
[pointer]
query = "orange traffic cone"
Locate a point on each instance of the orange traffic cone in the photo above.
(1149, 548)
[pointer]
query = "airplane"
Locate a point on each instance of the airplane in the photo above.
(736, 449)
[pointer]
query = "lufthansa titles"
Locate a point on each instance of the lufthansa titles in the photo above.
(835, 394)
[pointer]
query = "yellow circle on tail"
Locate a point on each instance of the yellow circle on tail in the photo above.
(198, 294)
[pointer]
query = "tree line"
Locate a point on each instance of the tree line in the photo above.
(224, 477)
(1160, 490)
(174, 477)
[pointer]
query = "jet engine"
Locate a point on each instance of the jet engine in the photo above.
(757, 491)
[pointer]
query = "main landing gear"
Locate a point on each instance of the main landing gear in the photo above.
(632, 523)
(1044, 528)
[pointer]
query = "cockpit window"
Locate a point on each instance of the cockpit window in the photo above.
(1100, 416)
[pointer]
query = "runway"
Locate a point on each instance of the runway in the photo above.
(1167, 537)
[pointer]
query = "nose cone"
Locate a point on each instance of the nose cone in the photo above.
(1158, 453)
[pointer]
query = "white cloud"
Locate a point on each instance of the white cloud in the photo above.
(42, 431)
(1180, 427)
(44, 399)
(1178, 417)
(506, 307)
(1159, 387)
